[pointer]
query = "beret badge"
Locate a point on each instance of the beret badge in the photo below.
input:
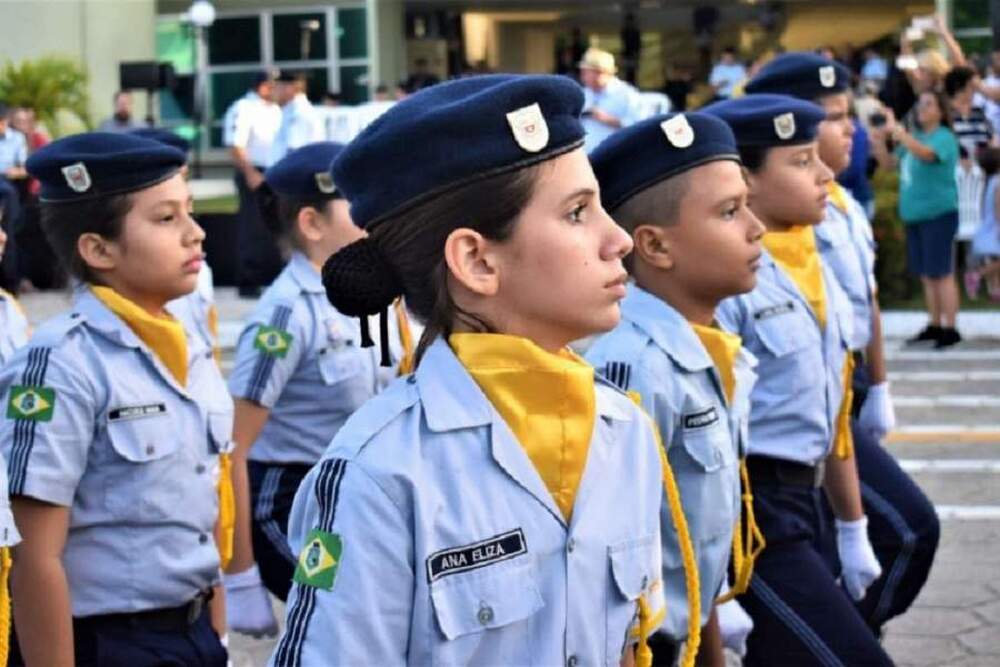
(827, 76)
(324, 182)
(784, 126)
(529, 128)
(77, 177)
(678, 130)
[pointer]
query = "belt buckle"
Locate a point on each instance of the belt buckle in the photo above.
(820, 474)
(195, 608)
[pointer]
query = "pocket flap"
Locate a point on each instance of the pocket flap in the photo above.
(476, 601)
(635, 565)
(783, 334)
(141, 438)
(220, 430)
(710, 447)
(339, 363)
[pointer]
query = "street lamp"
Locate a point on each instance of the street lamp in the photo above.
(200, 15)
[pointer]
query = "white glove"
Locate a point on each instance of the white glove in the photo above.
(858, 565)
(735, 626)
(248, 604)
(877, 416)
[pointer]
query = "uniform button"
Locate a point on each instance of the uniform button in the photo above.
(571, 545)
(203, 538)
(485, 615)
(572, 661)
(200, 468)
(150, 450)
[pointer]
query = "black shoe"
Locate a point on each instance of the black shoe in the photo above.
(250, 292)
(949, 336)
(930, 334)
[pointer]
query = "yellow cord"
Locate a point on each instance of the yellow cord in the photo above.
(843, 443)
(643, 654)
(687, 549)
(227, 510)
(5, 611)
(405, 339)
(745, 549)
(212, 316)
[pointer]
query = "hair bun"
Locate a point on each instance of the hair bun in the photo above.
(358, 280)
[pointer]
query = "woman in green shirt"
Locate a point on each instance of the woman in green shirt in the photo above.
(928, 205)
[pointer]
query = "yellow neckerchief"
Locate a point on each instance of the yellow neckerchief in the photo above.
(843, 440)
(723, 347)
(748, 541)
(212, 317)
(546, 399)
(163, 335)
(405, 338)
(5, 609)
(837, 195)
(795, 252)
(648, 620)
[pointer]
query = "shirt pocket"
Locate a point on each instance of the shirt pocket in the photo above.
(142, 478)
(339, 363)
(482, 615)
(635, 571)
(786, 338)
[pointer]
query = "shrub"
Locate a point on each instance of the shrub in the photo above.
(48, 85)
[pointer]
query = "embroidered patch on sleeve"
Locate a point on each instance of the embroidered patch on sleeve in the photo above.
(319, 560)
(272, 341)
(31, 402)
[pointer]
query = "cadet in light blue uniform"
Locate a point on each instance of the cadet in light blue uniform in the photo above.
(440, 526)
(300, 372)
(797, 322)
(676, 185)
(903, 525)
(115, 421)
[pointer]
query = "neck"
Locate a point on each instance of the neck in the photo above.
(771, 224)
(692, 307)
(930, 127)
(154, 305)
(548, 341)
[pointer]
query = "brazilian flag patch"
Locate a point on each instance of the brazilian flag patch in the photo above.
(319, 560)
(30, 402)
(272, 341)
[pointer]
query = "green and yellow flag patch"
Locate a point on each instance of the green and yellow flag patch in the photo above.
(319, 560)
(273, 341)
(30, 402)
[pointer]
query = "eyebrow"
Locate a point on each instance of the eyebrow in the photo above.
(579, 193)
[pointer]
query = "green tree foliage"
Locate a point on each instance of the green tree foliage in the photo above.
(48, 85)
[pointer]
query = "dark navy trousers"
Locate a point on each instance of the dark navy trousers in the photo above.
(272, 490)
(801, 614)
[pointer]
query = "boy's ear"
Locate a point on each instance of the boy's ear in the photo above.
(652, 246)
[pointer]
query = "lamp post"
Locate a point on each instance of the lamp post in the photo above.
(200, 15)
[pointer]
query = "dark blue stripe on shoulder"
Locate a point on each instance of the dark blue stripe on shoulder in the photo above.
(327, 490)
(24, 429)
(265, 362)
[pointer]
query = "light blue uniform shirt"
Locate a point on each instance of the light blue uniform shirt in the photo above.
(796, 400)
(657, 353)
(314, 385)
(454, 551)
(13, 150)
(301, 124)
(618, 99)
(133, 455)
(847, 245)
(14, 328)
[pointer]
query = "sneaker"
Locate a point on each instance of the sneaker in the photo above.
(972, 280)
(930, 334)
(949, 336)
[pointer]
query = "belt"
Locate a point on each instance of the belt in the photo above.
(766, 470)
(172, 619)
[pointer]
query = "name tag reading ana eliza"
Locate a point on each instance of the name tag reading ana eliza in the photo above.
(473, 556)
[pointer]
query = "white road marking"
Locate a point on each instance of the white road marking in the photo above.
(990, 466)
(947, 401)
(923, 354)
(968, 512)
(945, 376)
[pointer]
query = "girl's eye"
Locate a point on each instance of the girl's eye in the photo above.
(729, 213)
(576, 215)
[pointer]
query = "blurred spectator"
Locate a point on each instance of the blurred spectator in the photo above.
(928, 206)
(984, 262)
(968, 122)
(678, 87)
(300, 123)
(13, 153)
(23, 120)
(331, 99)
(827, 52)
(382, 93)
(631, 48)
(421, 78)
(726, 74)
(121, 120)
(249, 129)
(971, 182)
(578, 46)
(874, 69)
(989, 90)
(608, 102)
(855, 177)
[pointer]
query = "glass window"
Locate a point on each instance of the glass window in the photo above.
(354, 84)
(970, 14)
(234, 40)
(352, 33)
(175, 45)
(299, 37)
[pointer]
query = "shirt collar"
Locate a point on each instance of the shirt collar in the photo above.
(666, 328)
(305, 274)
(100, 318)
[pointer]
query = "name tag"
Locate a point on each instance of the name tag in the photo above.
(137, 412)
(771, 311)
(701, 419)
(471, 557)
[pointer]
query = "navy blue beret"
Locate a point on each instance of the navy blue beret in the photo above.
(452, 134)
(97, 164)
(305, 172)
(641, 155)
(801, 74)
(769, 120)
(164, 137)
